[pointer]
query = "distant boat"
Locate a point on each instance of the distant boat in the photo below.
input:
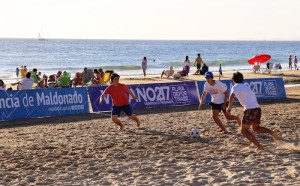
(40, 36)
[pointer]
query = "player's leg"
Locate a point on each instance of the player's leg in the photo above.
(250, 137)
(115, 113)
(259, 129)
(232, 117)
(215, 115)
(128, 111)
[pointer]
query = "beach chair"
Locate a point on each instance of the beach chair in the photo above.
(168, 73)
(65, 79)
(269, 68)
(106, 77)
(256, 67)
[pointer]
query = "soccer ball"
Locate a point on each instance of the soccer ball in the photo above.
(194, 133)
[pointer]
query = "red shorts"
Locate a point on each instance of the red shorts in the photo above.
(252, 116)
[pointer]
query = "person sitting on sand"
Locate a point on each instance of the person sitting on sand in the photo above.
(77, 81)
(96, 78)
(184, 72)
(51, 81)
(25, 83)
(87, 75)
(219, 100)
(119, 94)
(2, 85)
(101, 72)
(168, 73)
(204, 69)
(252, 110)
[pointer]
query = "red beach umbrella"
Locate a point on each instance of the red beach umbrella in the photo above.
(259, 58)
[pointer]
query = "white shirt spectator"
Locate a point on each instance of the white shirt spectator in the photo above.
(26, 84)
(187, 63)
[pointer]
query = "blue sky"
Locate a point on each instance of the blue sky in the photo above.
(152, 19)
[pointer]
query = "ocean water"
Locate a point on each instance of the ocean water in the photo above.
(125, 56)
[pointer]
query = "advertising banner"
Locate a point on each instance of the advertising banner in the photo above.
(150, 95)
(264, 88)
(42, 102)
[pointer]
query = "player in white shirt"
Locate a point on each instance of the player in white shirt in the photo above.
(219, 99)
(252, 110)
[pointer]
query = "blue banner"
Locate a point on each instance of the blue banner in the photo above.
(42, 102)
(150, 95)
(264, 88)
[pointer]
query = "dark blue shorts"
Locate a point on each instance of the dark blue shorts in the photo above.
(116, 110)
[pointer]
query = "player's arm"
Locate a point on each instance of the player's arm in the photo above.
(231, 99)
(202, 99)
(225, 99)
(101, 97)
(132, 94)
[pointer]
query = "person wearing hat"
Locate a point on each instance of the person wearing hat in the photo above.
(219, 100)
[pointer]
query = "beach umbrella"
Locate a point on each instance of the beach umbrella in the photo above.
(259, 58)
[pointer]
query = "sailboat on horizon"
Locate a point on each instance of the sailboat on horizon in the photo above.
(40, 36)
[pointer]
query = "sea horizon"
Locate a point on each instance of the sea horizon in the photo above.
(125, 56)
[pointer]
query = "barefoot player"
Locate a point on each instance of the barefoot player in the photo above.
(252, 110)
(119, 94)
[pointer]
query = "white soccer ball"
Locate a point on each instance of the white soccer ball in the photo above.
(195, 133)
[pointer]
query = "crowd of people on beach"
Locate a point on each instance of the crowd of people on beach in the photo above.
(34, 79)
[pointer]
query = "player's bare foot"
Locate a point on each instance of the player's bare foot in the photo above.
(260, 148)
(138, 124)
(275, 136)
(122, 127)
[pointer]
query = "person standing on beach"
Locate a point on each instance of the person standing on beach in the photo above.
(119, 94)
(296, 63)
(17, 72)
(252, 110)
(219, 100)
(290, 63)
(144, 66)
(198, 62)
(186, 61)
(22, 72)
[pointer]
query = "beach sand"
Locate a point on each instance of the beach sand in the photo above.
(88, 149)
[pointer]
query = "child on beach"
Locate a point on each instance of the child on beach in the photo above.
(119, 94)
(219, 100)
(252, 110)
(17, 72)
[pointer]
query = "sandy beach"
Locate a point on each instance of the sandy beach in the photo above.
(89, 149)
